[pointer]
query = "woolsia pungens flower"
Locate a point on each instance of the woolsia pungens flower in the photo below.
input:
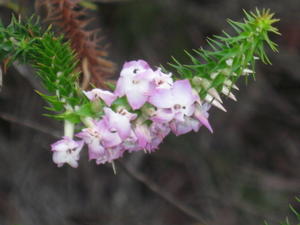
(67, 151)
(99, 94)
(158, 106)
(179, 99)
(135, 83)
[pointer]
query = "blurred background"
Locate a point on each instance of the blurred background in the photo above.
(247, 172)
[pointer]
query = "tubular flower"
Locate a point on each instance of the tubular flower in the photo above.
(67, 151)
(97, 94)
(179, 100)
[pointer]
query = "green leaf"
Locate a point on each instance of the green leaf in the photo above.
(219, 80)
(251, 37)
(121, 102)
(85, 110)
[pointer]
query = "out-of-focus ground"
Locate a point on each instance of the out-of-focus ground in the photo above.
(248, 171)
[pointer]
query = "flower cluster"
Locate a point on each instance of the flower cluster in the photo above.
(154, 106)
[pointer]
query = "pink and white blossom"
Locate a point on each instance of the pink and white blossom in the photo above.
(180, 99)
(92, 136)
(162, 80)
(143, 135)
(110, 155)
(67, 151)
(158, 131)
(119, 121)
(131, 143)
(135, 83)
(185, 126)
(100, 139)
(97, 94)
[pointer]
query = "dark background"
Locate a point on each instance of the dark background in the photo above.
(244, 173)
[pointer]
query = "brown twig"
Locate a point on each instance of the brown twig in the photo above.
(163, 194)
(130, 171)
(1, 78)
(30, 125)
(71, 20)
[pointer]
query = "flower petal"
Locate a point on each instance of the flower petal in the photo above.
(118, 122)
(108, 97)
(136, 100)
(136, 64)
(122, 84)
(143, 134)
(97, 93)
(95, 153)
(162, 98)
(183, 93)
(68, 155)
(163, 115)
(183, 127)
(111, 139)
(204, 121)
(202, 115)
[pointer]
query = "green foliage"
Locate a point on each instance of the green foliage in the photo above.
(54, 61)
(295, 212)
(16, 39)
(231, 55)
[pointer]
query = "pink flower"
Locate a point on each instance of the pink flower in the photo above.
(149, 137)
(179, 99)
(119, 121)
(66, 151)
(135, 66)
(183, 127)
(104, 144)
(110, 155)
(162, 115)
(97, 93)
(143, 135)
(159, 131)
(136, 88)
(162, 80)
(110, 137)
(194, 122)
(92, 136)
(130, 144)
(135, 83)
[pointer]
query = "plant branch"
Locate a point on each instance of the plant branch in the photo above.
(163, 194)
(130, 171)
(31, 125)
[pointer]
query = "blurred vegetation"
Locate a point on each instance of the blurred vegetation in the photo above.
(246, 172)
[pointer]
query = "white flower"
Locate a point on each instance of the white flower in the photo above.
(67, 151)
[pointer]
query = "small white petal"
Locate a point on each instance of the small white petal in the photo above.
(214, 102)
(229, 62)
(235, 87)
(229, 83)
(247, 71)
(229, 94)
(214, 75)
(213, 92)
